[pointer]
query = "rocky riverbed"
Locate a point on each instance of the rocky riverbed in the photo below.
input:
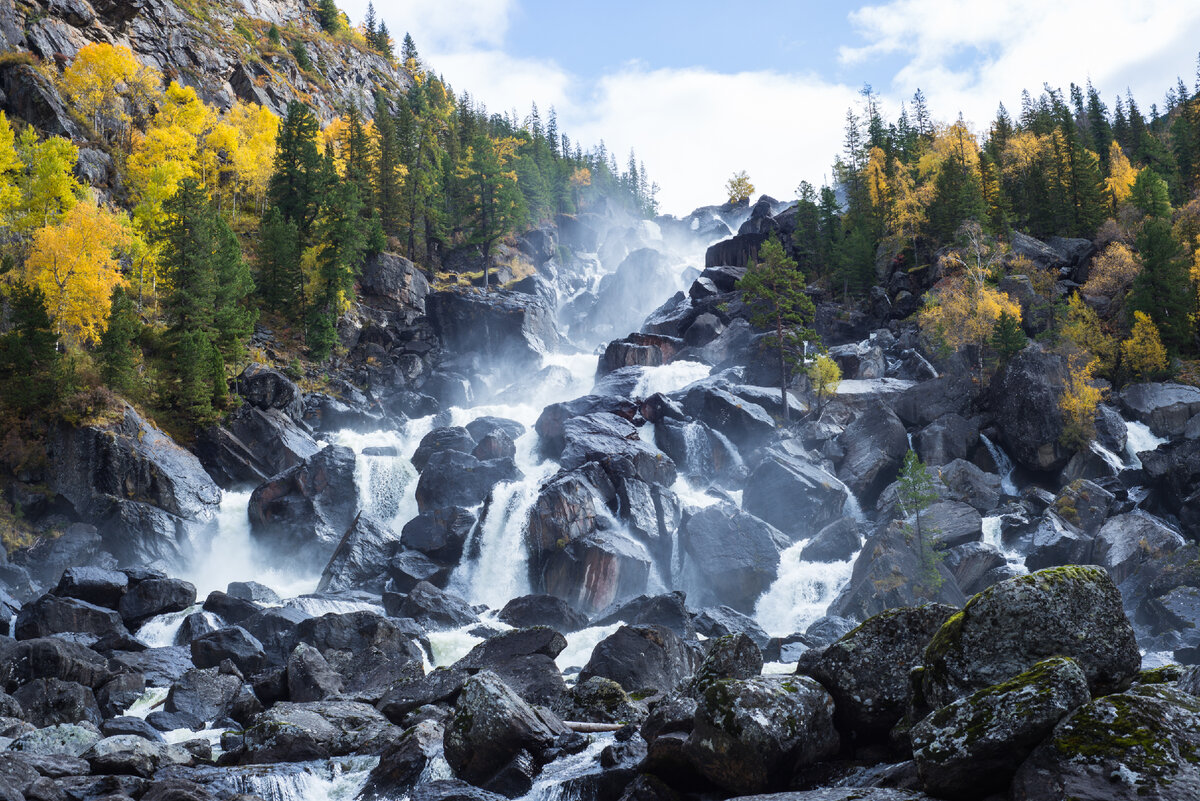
(511, 549)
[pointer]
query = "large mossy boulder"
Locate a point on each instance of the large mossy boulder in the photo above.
(974, 746)
(1143, 744)
(867, 670)
(751, 734)
(1011, 626)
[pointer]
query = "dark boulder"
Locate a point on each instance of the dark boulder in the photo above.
(542, 610)
(309, 676)
(131, 755)
(1134, 744)
(874, 445)
(867, 670)
(613, 442)
(130, 462)
(491, 726)
(639, 350)
(439, 533)
(1024, 398)
(394, 284)
(291, 732)
(1006, 629)
(407, 569)
(276, 628)
(307, 508)
(550, 422)
(94, 585)
(46, 560)
(155, 596)
(747, 425)
(506, 328)
(233, 643)
(949, 437)
(1165, 408)
(836, 542)
(733, 656)
(643, 657)
(592, 571)
(731, 557)
(203, 694)
(974, 746)
(719, 621)
(793, 494)
(49, 702)
(252, 591)
(230, 609)
(449, 438)
(751, 734)
(266, 388)
(668, 610)
(360, 560)
(453, 478)
(52, 614)
(404, 762)
(1127, 541)
(434, 608)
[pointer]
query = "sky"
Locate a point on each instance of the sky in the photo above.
(701, 89)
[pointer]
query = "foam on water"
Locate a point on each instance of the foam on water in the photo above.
(992, 536)
(160, 631)
(340, 779)
(231, 555)
(1004, 466)
(1139, 439)
(669, 378)
(556, 779)
(802, 592)
(317, 606)
(149, 701)
(580, 645)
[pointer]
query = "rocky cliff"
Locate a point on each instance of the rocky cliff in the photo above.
(222, 50)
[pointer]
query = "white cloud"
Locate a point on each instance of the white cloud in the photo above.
(970, 55)
(695, 127)
(441, 26)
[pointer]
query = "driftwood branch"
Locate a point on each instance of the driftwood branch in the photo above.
(583, 727)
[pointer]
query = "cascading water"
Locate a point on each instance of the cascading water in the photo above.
(802, 592)
(1111, 459)
(231, 556)
(1139, 439)
(1004, 466)
(992, 536)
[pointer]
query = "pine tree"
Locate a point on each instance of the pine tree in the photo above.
(494, 202)
(383, 41)
(369, 23)
(329, 16)
(233, 318)
(298, 183)
(387, 168)
(1162, 289)
(1150, 194)
(118, 350)
(916, 493)
(278, 260)
(1007, 338)
(773, 289)
(344, 241)
(30, 365)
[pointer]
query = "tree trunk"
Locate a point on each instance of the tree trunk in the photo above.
(782, 370)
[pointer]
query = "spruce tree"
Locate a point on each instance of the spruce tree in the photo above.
(387, 169)
(916, 493)
(773, 290)
(329, 16)
(1162, 290)
(494, 203)
(118, 351)
(1008, 339)
(30, 364)
(298, 182)
(341, 231)
(277, 257)
(233, 318)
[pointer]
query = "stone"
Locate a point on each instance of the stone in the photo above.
(641, 657)
(48, 702)
(1165, 408)
(874, 443)
(836, 542)
(867, 669)
(1009, 627)
(359, 561)
(1135, 744)
(793, 494)
(490, 726)
(751, 734)
(973, 746)
(306, 509)
(542, 610)
(155, 596)
(128, 754)
(298, 732)
(94, 585)
(732, 557)
(233, 643)
(51, 614)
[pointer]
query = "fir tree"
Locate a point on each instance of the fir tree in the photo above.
(118, 350)
(30, 366)
(1007, 338)
(916, 493)
(299, 178)
(494, 202)
(773, 289)
(1161, 289)
(329, 16)
(278, 260)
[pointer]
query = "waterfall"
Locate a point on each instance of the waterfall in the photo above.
(160, 630)
(669, 378)
(231, 556)
(1115, 462)
(1139, 440)
(340, 779)
(1004, 466)
(992, 537)
(802, 592)
(556, 782)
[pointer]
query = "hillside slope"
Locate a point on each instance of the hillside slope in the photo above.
(222, 50)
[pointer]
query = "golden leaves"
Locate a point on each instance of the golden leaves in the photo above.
(75, 264)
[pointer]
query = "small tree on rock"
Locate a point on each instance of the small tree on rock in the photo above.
(825, 376)
(739, 187)
(917, 492)
(773, 289)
